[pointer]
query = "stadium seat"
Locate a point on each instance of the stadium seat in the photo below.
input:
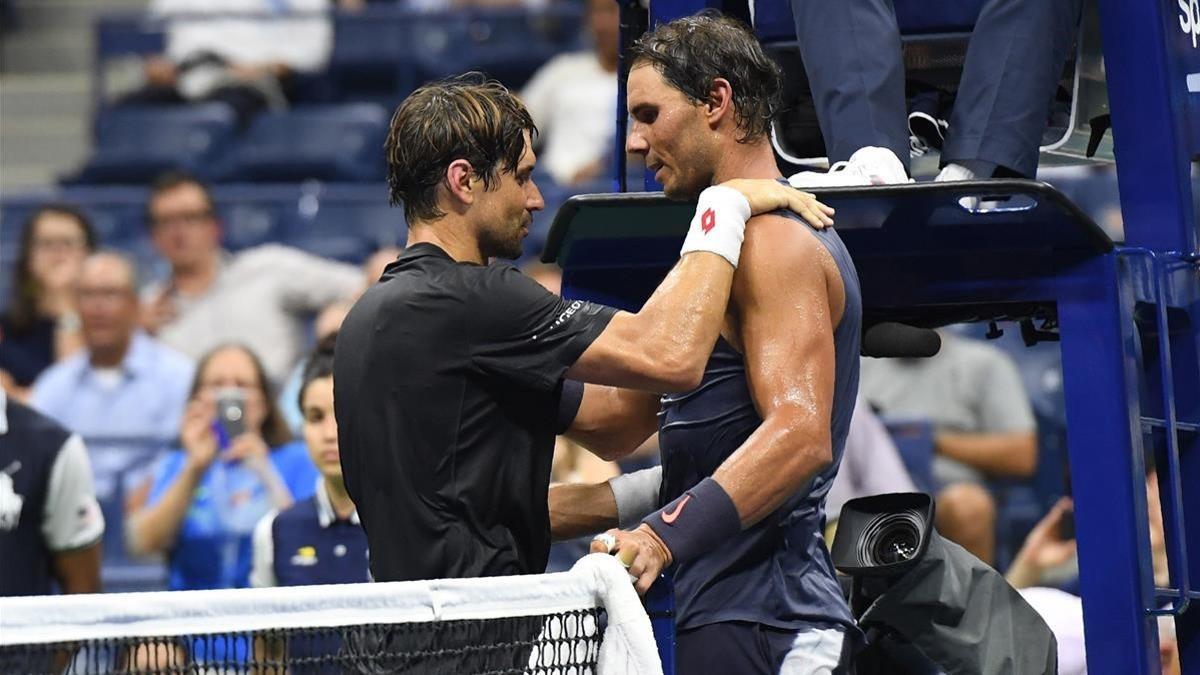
(346, 222)
(507, 44)
(371, 60)
(333, 143)
(134, 144)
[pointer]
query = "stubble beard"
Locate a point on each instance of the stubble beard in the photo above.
(505, 245)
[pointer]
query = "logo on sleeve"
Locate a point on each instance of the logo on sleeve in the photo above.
(708, 220)
(670, 516)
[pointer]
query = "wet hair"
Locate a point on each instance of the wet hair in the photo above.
(26, 289)
(465, 117)
(692, 51)
(319, 365)
(275, 430)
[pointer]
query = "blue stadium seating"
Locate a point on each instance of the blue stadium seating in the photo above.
(507, 44)
(134, 144)
(331, 143)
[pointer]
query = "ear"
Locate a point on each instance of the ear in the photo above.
(459, 181)
(719, 106)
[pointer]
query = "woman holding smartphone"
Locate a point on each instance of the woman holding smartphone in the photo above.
(235, 465)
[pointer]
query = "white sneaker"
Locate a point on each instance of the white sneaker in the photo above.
(871, 165)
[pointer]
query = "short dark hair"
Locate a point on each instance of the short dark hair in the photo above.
(169, 180)
(319, 365)
(465, 117)
(692, 51)
(24, 313)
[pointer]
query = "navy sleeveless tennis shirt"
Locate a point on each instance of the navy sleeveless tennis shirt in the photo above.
(777, 572)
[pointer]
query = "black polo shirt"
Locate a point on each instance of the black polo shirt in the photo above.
(447, 378)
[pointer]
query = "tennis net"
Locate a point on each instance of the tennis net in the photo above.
(587, 620)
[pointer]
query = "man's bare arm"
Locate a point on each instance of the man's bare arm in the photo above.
(665, 345)
(1002, 454)
(578, 509)
(612, 422)
(786, 326)
(78, 571)
(782, 303)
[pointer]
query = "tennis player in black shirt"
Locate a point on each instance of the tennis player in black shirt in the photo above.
(450, 375)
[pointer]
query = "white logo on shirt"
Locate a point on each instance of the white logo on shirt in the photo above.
(10, 501)
(566, 314)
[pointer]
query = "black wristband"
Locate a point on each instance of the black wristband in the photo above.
(702, 518)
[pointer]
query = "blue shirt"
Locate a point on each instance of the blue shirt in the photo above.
(212, 549)
(777, 572)
(126, 414)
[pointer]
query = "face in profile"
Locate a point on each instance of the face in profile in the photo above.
(668, 129)
(506, 211)
(320, 427)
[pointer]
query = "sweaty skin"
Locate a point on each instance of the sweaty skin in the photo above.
(787, 299)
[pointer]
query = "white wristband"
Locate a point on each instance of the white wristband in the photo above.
(719, 224)
(636, 495)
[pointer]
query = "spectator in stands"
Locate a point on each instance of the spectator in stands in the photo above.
(244, 53)
(1046, 549)
(328, 321)
(851, 52)
(262, 296)
(50, 522)
(573, 99)
(871, 465)
(318, 540)
(41, 325)
(984, 426)
(124, 392)
(205, 498)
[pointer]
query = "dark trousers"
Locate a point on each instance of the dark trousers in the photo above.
(745, 648)
(851, 52)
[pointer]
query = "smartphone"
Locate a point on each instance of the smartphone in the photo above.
(1066, 526)
(231, 415)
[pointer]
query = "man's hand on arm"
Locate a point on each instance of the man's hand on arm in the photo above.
(664, 346)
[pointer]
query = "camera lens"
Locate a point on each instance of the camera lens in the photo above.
(891, 538)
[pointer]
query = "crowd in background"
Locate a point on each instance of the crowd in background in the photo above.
(139, 368)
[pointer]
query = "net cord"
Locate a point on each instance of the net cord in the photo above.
(596, 580)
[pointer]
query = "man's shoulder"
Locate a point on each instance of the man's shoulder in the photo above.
(301, 511)
(36, 427)
(60, 378)
(977, 354)
(166, 360)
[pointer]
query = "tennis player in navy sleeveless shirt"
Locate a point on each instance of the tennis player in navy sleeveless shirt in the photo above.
(748, 455)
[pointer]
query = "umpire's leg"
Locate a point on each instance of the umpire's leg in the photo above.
(1014, 62)
(851, 52)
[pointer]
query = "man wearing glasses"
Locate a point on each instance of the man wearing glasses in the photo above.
(262, 296)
